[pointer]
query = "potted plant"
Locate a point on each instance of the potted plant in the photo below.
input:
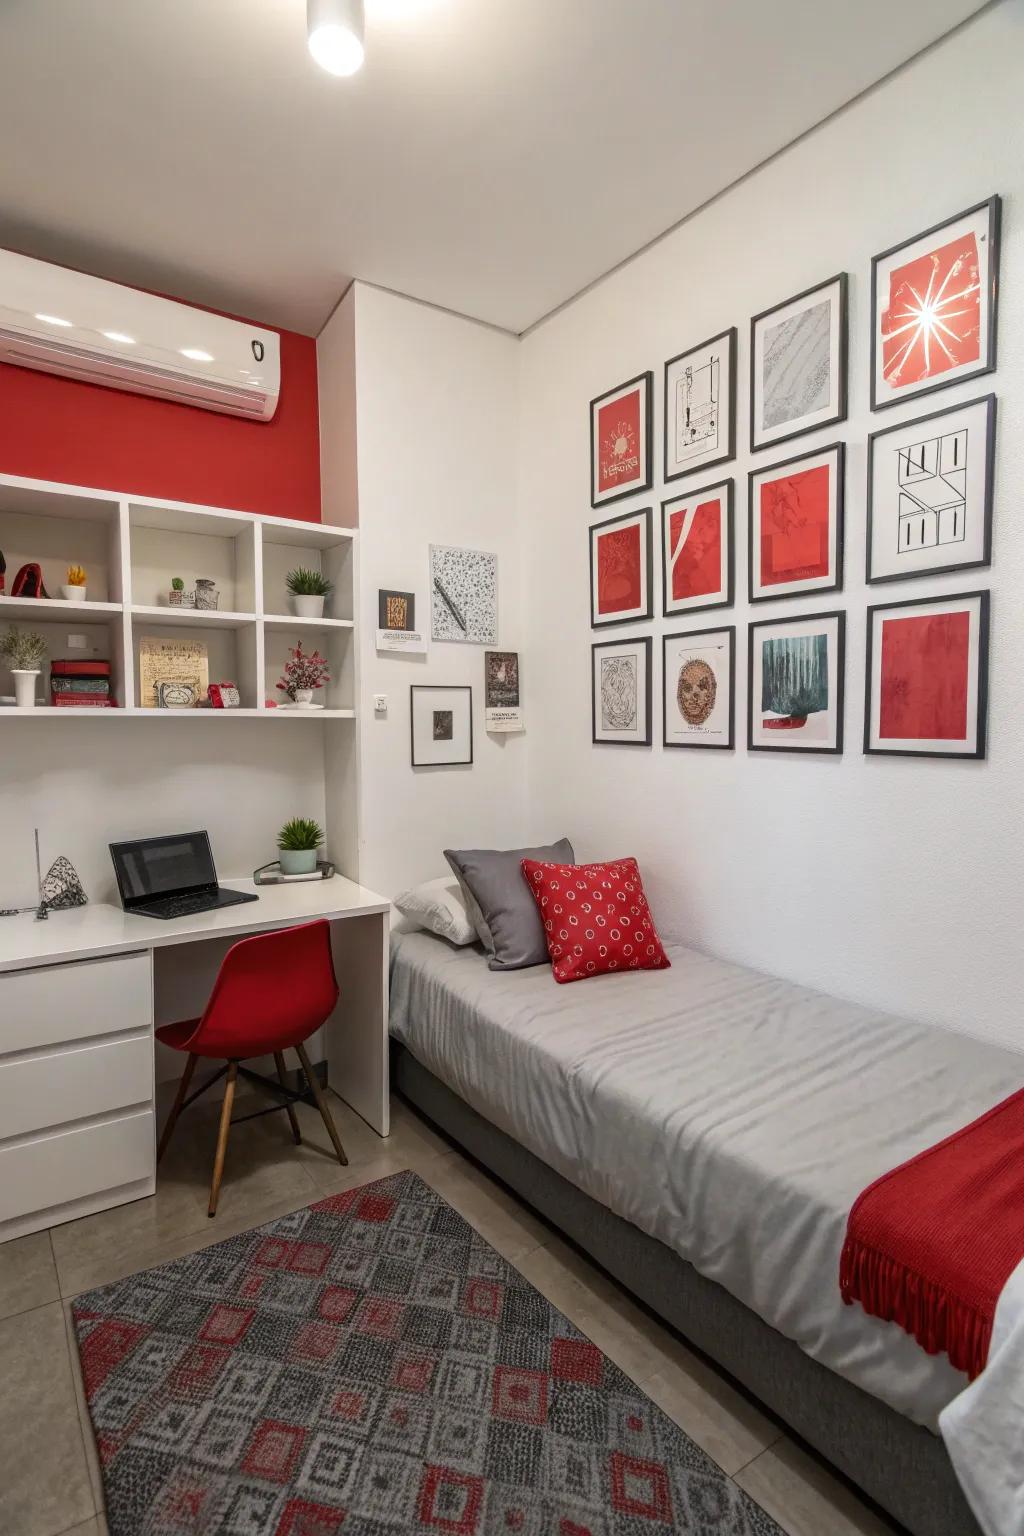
(308, 589)
(177, 597)
(74, 585)
(23, 650)
(302, 674)
(297, 842)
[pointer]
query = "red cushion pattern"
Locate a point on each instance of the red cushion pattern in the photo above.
(596, 918)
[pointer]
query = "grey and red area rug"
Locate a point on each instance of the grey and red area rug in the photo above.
(369, 1365)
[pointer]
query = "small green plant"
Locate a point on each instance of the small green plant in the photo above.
(22, 649)
(306, 583)
(177, 585)
(301, 834)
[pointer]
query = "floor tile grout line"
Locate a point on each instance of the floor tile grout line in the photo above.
(72, 1343)
(762, 1452)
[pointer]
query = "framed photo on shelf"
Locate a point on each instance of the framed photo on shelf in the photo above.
(441, 725)
(621, 588)
(795, 684)
(927, 677)
(933, 307)
(621, 441)
(795, 525)
(620, 673)
(700, 406)
(699, 684)
(697, 558)
(930, 493)
(798, 364)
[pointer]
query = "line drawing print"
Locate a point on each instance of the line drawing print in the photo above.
(618, 693)
(697, 401)
(932, 479)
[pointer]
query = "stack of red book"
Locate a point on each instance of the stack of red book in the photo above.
(81, 684)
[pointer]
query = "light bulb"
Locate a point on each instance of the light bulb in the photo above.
(335, 30)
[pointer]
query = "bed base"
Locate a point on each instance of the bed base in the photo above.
(900, 1466)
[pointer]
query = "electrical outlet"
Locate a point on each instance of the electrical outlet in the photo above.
(380, 703)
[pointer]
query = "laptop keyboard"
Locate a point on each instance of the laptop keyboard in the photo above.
(184, 906)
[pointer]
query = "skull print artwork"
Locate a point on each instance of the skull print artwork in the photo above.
(696, 691)
(698, 672)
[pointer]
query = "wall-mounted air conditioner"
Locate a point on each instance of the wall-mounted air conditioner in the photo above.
(101, 333)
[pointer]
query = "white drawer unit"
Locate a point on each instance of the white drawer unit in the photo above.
(54, 1004)
(55, 1088)
(54, 1170)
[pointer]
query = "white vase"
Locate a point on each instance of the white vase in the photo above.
(24, 687)
(73, 594)
(303, 697)
(307, 606)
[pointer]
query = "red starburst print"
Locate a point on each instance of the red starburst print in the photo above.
(933, 319)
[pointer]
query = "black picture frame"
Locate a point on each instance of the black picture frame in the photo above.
(983, 598)
(383, 594)
(647, 514)
(723, 458)
(695, 634)
(839, 614)
(414, 688)
(990, 458)
(761, 470)
(994, 206)
(604, 645)
(646, 380)
(842, 278)
(730, 527)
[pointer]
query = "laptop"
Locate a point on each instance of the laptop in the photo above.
(171, 876)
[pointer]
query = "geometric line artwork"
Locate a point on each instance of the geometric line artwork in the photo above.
(932, 478)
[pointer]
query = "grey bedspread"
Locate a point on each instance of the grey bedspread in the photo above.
(733, 1116)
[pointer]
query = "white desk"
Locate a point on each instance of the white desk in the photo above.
(79, 994)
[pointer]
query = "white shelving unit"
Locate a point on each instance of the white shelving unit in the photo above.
(131, 548)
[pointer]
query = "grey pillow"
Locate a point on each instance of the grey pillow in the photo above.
(500, 903)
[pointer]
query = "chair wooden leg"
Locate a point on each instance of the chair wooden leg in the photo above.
(179, 1099)
(292, 1116)
(222, 1135)
(321, 1104)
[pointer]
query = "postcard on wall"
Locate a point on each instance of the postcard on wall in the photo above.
(173, 674)
(396, 622)
(699, 671)
(502, 710)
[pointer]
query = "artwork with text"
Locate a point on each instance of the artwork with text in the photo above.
(618, 435)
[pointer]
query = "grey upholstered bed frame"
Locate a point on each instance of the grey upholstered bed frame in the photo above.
(899, 1465)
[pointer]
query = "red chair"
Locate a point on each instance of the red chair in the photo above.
(272, 991)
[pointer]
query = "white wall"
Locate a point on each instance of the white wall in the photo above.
(893, 881)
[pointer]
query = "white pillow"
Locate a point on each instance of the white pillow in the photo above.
(440, 907)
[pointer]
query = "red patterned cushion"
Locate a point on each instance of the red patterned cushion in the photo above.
(595, 917)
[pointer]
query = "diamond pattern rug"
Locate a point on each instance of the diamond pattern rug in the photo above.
(370, 1365)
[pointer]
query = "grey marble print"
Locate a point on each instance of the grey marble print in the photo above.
(795, 375)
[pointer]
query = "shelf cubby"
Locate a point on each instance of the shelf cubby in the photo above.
(169, 541)
(324, 549)
(231, 651)
(332, 640)
(55, 529)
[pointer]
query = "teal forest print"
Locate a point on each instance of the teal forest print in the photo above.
(795, 697)
(794, 680)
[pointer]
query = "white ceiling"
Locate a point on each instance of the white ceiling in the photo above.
(493, 156)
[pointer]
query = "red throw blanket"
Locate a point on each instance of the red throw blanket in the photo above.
(931, 1244)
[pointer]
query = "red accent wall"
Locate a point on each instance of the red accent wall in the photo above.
(58, 429)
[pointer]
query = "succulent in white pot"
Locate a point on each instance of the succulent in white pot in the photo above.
(23, 651)
(297, 844)
(308, 589)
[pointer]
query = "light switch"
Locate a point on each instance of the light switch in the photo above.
(380, 703)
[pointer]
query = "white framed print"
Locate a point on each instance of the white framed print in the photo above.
(926, 676)
(621, 588)
(621, 441)
(700, 406)
(620, 677)
(699, 686)
(933, 307)
(798, 364)
(441, 721)
(697, 559)
(795, 525)
(930, 493)
(795, 684)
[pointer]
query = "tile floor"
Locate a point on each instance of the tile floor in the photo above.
(49, 1477)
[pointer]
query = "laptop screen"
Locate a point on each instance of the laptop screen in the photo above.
(158, 866)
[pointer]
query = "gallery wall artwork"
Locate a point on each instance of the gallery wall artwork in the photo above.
(697, 556)
(463, 595)
(933, 307)
(700, 406)
(796, 525)
(621, 439)
(795, 684)
(930, 493)
(621, 586)
(699, 683)
(927, 677)
(798, 364)
(396, 622)
(441, 721)
(502, 709)
(621, 692)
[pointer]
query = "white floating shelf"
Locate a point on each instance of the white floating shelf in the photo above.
(284, 621)
(52, 610)
(194, 618)
(48, 712)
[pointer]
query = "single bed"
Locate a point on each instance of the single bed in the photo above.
(731, 1119)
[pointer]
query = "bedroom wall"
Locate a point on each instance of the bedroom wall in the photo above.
(893, 881)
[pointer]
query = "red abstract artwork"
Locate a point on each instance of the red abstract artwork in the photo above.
(925, 675)
(618, 442)
(795, 512)
(619, 581)
(933, 319)
(695, 546)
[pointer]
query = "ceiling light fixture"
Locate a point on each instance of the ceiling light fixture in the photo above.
(335, 30)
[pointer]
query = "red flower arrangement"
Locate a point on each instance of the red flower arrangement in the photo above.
(303, 671)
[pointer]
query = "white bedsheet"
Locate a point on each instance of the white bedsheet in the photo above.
(731, 1115)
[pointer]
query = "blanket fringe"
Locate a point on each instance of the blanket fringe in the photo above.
(897, 1294)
